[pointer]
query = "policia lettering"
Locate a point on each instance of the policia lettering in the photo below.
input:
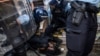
(81, 27)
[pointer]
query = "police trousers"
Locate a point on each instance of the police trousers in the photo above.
(80, 39)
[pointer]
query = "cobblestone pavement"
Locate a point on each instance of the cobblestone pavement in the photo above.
(96, 50)
(93, 53)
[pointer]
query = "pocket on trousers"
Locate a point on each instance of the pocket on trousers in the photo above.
(73, 31)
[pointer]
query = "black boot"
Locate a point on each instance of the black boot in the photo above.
(9, 53)
(5, 43)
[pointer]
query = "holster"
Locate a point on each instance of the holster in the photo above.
(77, 18)
(78, 12)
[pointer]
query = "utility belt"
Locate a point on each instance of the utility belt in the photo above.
(80, 10)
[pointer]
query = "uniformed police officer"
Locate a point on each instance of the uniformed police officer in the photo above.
(22, 21)
(19, 50)
(43, 42)
(58, 16)
(81, 33)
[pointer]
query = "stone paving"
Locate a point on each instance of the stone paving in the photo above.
(96, 50)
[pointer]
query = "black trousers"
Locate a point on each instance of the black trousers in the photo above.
(19, 51)
(80, 39)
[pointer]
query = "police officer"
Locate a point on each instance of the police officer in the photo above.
(43, 42)
(39, 15)
(58, 16)
(18, 44)
(81, 33)
(58, 13)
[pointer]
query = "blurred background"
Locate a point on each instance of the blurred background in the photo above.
(8, 11)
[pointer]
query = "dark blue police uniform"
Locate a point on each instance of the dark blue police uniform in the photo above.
(80, 39)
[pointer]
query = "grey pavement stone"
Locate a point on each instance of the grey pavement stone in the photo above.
(95, 52)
